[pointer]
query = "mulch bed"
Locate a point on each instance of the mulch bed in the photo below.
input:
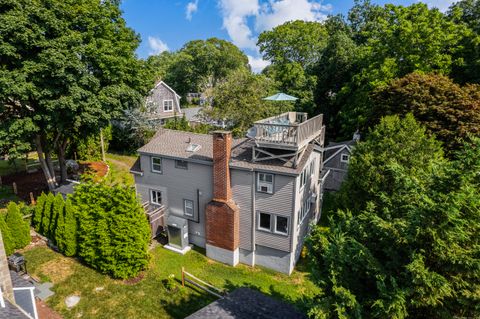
(26, 183)
(133, 281)
(36, 182)
(99, 169)
(45, 312)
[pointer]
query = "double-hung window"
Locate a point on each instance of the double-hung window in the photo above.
(167, 105)
(265, 183)
(156, 164)
(273, 223)
(264, 221)
(304, 210)
(281, 225)
(188, 207)
(155, 197)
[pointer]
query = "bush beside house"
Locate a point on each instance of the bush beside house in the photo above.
(103, 225)
(15, 230)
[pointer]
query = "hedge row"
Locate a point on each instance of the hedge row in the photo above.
(104, 226)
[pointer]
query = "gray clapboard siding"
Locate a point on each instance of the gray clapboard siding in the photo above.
(281, 202)
(180, 184)
(241, 182)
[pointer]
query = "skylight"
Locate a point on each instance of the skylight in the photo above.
(193, 147)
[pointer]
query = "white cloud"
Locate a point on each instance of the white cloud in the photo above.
(275, 13)
(235, 14)
(191, 8)
(442, 5)
(257, 64)
(156, 45)
(266, 15)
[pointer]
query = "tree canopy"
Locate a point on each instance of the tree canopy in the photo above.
(448, 110)
(67, 67)
(406, 244)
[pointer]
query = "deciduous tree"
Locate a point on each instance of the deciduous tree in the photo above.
(448, 110)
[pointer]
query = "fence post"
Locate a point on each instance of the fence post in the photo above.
(32, 199)
(15, 188)
(183, 277)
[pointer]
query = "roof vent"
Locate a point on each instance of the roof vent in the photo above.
(193, 147)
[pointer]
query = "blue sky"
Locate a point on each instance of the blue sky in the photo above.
(168, 24)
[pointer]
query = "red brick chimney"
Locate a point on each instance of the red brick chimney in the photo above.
(222, 214)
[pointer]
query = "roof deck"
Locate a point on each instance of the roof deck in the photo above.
(290, 130)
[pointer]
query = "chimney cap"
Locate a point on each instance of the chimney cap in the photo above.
(223, 132)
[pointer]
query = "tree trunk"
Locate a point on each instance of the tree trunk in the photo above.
(61, 161)
(43, 164)
(48, 160)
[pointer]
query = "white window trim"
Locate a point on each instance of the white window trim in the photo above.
(275, 225)
(164, 110)
(152, 165)
(261, 228)
(185, 207)
(269, 186)
(344, 161)
(151, 197)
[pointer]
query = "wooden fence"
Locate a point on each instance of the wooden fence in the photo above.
(188, 277)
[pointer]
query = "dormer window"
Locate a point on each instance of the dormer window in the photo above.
(167, 105)
(265, 183)
(345, 158)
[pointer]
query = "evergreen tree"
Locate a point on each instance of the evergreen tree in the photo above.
(38, 212)
(7, 236)
(57, 210)
(410, 246)
(47, 215)
(113, 232)
(69, 238)
(19, 229)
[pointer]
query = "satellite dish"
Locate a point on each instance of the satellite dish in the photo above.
(252, 132)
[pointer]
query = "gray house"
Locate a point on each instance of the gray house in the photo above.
(163, 103)
(248, 200)
(335, 163)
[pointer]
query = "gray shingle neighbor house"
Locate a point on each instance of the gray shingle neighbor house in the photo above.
(248, 200)
(335, 162)
(163, 103)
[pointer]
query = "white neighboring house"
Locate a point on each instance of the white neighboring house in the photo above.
(163, 103)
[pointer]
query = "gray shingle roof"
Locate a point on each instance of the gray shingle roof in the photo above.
(11, 312)
(245, 303)
(191, 113)
(18, 281)
(171, 143)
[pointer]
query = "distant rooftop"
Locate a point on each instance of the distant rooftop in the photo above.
(245, 303)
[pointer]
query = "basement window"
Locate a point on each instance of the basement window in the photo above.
(265, 183)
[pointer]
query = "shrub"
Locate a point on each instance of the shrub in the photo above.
(69, 236)
(46, 218)
(19, 229)
(57, 210)
(38, 211)
(7, 236)
(113, 233)
(89, 148)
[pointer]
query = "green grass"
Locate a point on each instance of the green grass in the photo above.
(18, 165)
(148, 298)
(120, 169)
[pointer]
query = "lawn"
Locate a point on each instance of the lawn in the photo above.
(103, 297)
(120, 168)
